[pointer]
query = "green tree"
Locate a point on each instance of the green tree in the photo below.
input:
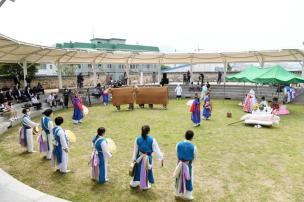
(69, 69)
(11, 70)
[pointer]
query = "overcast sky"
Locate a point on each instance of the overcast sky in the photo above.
(211, 25)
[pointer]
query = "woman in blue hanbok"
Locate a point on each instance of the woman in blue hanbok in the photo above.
(78, 109)
(207, 107)
(195, 110)
(186, 153)
(99, 157)
(144, 146)
(45, 141)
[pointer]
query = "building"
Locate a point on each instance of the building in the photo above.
(108, 45)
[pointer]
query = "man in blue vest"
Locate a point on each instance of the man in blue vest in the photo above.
(186, 153)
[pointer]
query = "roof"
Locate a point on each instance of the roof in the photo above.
(12, 51)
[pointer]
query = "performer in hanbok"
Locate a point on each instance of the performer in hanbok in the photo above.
(99, 157)
(45, 141)
(207, 107)
(195, 110)
(61, 147)
(249, 101)
(78, 109)
(144, 146)
(186, 153)
(26, 131)
(105, 97)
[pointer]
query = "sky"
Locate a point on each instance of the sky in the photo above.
(172, 25)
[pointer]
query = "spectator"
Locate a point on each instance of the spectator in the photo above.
(35, 102)
(164, 80)
(219, 77)
(204, 92)
(28, 80)
(27, 92)
(188, 76)
(66, 95)
(9, 95)
(154, 77)
(80, 80)
(178, 91)
(2, 97)
(19, 97)
(16, 80)
(51, 100)
(58, 100)
(40, 88)
(263, 102)
(208, 85)
(9, 109)
(202, 78)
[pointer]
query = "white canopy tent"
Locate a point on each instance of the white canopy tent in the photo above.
(13, 51)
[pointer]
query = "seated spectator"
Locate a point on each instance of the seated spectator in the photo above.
(9, 95)
(39, 88)
(10, 111)
(2, 107)
(51, 100)
(27, 92)
(35, 102)
(97, 92)
(58, 100)
(17, 94)
(2, 97)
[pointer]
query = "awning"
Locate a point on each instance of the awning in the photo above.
(12, 51)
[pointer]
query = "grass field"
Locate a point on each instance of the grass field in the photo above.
(235, 163)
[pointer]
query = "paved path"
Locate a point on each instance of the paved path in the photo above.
(12, 190)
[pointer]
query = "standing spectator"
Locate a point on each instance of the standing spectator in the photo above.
(208, 85)
(219, 77)
(202, 76)
(204, 92)
(184, 78)
(80, 80)
(178, 91)
(125, 78)
(35, 102)
(28, 80)
(66, 95)
(16, 80)
(154, 77)
(2, 97)
(188, 77)
(9, 95)
(51, 100)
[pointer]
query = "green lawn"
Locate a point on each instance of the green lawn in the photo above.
(235, 163)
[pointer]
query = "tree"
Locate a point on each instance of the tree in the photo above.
(11, 70)
(69, 69)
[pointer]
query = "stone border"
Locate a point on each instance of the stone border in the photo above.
(14, 190)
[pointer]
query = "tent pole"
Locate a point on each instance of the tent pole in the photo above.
(24, 67)
(59, 75)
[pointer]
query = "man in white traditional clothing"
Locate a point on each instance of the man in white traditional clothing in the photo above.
(26, 131)
(61, 149)
(178, 91)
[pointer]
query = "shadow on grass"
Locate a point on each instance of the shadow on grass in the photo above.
(143, 195)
